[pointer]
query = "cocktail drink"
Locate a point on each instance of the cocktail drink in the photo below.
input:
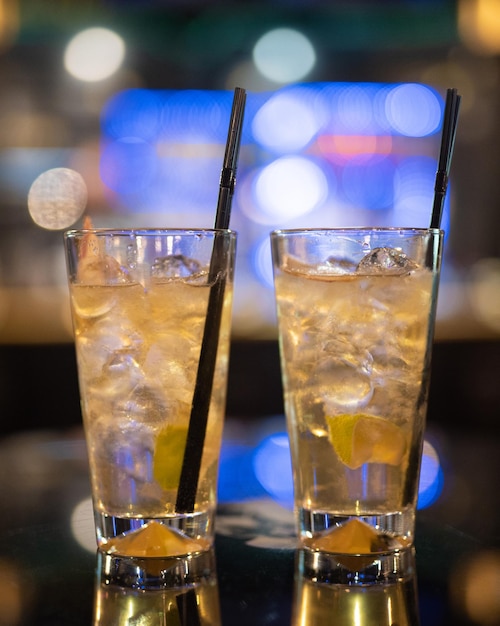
(356, 315)
(139, 302)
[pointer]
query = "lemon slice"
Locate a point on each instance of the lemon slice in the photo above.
(360, 438)
(155, 540)
(168, 455)
(90, 302)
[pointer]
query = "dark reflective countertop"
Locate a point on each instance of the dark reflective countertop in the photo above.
(48, 563)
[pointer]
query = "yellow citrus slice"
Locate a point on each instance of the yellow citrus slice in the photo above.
(155, 540)
(360, 438)
(168, 455)
(90, 302)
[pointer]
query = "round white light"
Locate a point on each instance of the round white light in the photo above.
(284, 55)
(94, 54)
(290, 187)
(285, 123)
(57, 198)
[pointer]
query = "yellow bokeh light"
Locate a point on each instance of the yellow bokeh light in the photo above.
(479, 25)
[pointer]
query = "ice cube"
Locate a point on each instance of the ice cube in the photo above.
(102, 270)
(386, 261)
(177, 267)
(143, 403)
(334, 265)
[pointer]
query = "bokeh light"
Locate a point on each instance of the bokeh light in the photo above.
(413, 110)
(94, 54)
(312, 154)
(290, 187)
(431, 477)
(275, 124)
(273, 468)
(57, 198)
(82, 525)
(284, 55)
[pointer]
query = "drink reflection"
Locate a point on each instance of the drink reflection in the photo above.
(187, 594)
(319, 602)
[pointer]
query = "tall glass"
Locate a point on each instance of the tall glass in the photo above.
(356, 311)
(140, 303)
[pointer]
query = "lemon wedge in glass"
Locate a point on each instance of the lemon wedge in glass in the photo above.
(360, 438)
(168, 455)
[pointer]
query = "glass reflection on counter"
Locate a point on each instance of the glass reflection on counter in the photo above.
(188, 596)
(318, 602)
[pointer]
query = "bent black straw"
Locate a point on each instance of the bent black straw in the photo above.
(188, 484)
(448, 136)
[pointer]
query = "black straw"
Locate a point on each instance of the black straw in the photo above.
(187, 606)
(191, 464)
(449, 132)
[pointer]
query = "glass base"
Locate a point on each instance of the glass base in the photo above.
(191, 533)
(396, 529)
(156, 572)
(384, 568)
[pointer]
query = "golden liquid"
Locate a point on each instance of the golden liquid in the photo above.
(353, 344)
(138, 350)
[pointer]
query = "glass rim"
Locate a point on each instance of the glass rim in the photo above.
(355, 229)
(163, 231)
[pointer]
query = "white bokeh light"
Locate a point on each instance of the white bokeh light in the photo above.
(290, 187)
(94, 54)
(285, 123)
(284, 55)
(413, 110)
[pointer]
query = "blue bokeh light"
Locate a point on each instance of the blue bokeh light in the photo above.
(275, 124)
(128, 165)
(273, 469)
(413, 110)
(431, 477)
(265, 469)
(369, 183)
(312, 155)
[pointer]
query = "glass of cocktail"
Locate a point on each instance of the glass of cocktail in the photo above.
(356, 311)
(140, 301)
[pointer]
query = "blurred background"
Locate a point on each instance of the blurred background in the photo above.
(342, 127)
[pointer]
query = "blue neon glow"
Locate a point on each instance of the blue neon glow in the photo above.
(275, 124)
(265, 469)
(312, 155)
(369, 183)
(413, 110)
(431, 477)
(261, 261)
(128, 165)
(273, 468)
